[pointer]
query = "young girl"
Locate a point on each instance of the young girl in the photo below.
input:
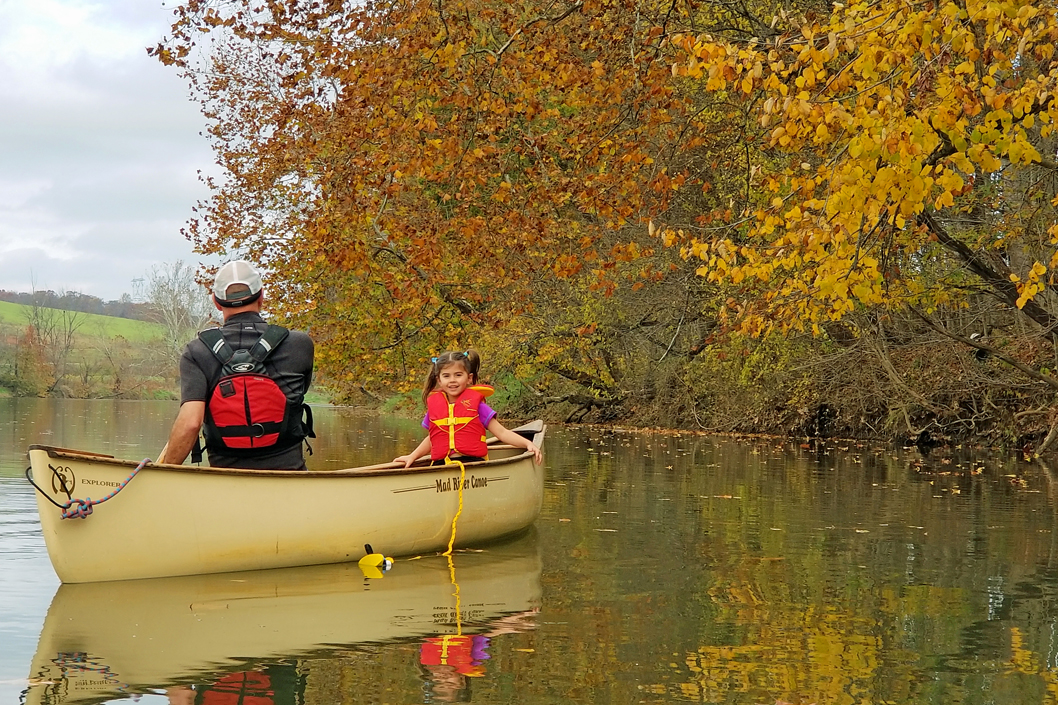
(457, 415)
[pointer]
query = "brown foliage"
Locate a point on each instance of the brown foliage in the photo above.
(411, 170)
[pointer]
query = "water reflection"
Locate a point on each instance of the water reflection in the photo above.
(677, 568)
(252, 633)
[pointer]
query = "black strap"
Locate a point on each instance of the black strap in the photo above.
(213, 338)
(196, 451)
(45, 495)
(268, 342)
(252, 431)
(214, 341)
(260, 429)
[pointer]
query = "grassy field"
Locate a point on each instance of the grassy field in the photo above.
(94, 325)
(110, 357)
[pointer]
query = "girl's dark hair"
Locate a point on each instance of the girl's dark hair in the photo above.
(469, 358)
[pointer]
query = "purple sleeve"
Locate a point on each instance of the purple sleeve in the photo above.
(486, 414)
(479, 649)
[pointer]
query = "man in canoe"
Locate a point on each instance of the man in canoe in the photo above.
(243, 384)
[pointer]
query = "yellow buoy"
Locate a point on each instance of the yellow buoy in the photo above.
(373, 565)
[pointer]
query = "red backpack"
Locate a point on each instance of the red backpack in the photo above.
(246, 411)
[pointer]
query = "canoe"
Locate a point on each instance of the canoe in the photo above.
(173, 520)
(107, 641)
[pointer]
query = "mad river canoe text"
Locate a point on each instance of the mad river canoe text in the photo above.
(452, 483)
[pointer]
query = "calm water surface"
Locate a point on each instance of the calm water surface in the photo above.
(664, 568)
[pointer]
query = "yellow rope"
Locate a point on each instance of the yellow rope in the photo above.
(459, 609)
(462, 479)
(448, 554)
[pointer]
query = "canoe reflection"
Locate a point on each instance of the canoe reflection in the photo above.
(105, 641)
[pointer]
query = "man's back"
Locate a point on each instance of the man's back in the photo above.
(289, 365)
(238, 295)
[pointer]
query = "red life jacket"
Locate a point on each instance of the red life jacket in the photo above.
(466, 654)
(456, 429)
(242, 688)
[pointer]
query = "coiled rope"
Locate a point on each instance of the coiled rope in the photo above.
(80, 508)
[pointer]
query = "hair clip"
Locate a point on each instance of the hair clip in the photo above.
(464, 355)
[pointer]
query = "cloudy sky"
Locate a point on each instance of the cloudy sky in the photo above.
(99, 146)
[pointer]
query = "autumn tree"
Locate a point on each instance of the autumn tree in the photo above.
(423, 175)
(418, 173)
(907, 163)
(30, 374)
(912, 133)
(53, 333)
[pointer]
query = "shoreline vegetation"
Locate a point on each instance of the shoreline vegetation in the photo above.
(910, 390)
(905, 387)
(56, 352)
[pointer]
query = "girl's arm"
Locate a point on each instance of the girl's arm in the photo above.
(513, 439)
(422, 449)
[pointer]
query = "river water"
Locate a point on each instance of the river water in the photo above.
(664, 568)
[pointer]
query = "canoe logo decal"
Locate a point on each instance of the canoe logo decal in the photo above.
(63, 481)
(451, 484)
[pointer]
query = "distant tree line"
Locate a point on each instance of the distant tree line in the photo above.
(75, 301)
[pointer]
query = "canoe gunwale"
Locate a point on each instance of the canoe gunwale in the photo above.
(368, 470)
(363, 471)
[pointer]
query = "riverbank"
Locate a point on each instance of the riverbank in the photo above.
(915, 390)
(46, 352)
(906, 389)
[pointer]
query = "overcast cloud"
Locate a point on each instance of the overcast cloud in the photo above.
(99, 146)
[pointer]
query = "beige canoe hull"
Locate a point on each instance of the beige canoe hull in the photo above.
(108, 640)
(178, 520)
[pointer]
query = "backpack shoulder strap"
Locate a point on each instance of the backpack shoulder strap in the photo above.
(213, 339)
(268, 342)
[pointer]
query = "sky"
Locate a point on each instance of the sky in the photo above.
(99, 147)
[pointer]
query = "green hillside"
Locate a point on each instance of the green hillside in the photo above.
(94, 324)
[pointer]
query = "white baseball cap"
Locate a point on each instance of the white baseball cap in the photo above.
(237, 284)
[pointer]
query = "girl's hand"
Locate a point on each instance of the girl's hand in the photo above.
(537, 456)
(422, 449)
